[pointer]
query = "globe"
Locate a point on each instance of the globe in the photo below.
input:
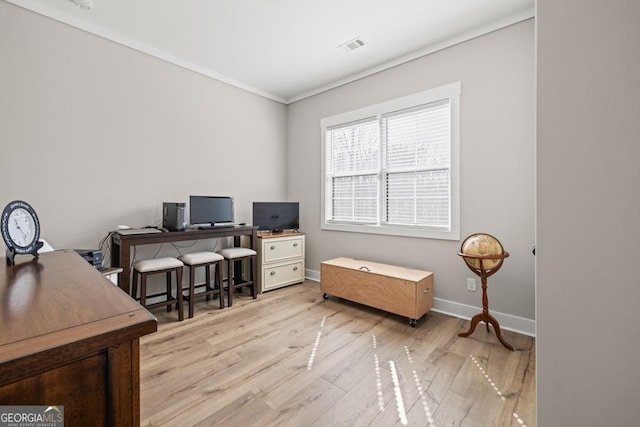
(481, 245)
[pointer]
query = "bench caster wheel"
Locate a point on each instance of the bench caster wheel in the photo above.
(412, 323)
(325, 296)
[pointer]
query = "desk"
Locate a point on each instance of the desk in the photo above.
(121, 244)
(69, 337)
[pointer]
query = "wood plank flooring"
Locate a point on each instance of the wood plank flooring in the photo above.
(290, 358)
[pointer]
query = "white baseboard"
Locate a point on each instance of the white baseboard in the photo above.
(508, 322)
(312, 275)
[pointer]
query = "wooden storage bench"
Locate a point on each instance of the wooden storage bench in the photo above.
(398, 290)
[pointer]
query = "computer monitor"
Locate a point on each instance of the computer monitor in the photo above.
(276, 216)
(210, 210)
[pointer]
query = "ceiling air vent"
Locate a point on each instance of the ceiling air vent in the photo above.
(84, 4)
(352, 45)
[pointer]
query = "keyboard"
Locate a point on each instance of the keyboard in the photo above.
(130, 231)
(209, 227)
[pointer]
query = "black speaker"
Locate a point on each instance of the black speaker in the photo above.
(173, 216)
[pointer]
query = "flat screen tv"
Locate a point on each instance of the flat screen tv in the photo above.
(276, 216)
(210, 210)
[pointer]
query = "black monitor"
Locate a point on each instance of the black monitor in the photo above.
(276, 216)
(210, 210)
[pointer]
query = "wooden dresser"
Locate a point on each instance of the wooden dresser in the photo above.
(69, 337)
(280, 259)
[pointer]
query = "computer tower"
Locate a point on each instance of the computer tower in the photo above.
(173, 216)
(92, 256)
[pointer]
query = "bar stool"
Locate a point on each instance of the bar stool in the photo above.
(206, 260)
(240, 254)
(146, 267)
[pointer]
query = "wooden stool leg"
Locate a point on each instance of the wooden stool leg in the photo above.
(254, 273)
(230, 283)
(219, 283)
(207, 280)
(179, 291)
(169, 296)
(192, 289)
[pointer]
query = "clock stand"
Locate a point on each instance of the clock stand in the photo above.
(11, 252)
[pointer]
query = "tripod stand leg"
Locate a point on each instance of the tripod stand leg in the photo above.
(496, 327)
(474, 322)
(487, 318)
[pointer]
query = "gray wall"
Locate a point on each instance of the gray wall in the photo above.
(588, 199)
(497, 162)
(94, 134)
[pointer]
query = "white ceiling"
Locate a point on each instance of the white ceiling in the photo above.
(286, 50)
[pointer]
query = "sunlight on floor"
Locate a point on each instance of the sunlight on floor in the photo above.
(495, 388)
(315, 346)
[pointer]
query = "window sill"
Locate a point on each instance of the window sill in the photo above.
(419, 232)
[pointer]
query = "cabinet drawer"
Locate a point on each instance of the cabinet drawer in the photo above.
(282, 249)
(283, 274)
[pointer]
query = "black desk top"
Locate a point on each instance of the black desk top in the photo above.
(188, 234)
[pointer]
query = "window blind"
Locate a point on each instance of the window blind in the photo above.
(416, 147)
(353, 170)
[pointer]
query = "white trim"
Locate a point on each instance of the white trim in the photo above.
(507, 322)
(312, 275)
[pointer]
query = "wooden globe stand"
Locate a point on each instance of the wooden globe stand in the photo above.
(484, 274)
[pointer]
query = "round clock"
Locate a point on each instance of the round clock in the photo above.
(20, 229)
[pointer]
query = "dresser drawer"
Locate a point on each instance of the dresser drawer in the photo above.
(283, 275)
(282, 249)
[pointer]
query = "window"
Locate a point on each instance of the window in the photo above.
(393, 168)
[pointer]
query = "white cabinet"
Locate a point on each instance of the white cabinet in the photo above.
(280, 260)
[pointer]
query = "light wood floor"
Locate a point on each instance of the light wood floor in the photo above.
(290, 358)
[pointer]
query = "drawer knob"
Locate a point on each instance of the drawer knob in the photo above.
(295, 268)
(273, 247)
(273, 273)
(295, 244)
(426, 291)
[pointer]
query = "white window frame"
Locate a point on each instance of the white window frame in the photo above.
(449, 92)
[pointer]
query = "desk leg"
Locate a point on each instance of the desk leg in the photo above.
(254, 240)
(125, 263)
(121, 257)
(115, 256)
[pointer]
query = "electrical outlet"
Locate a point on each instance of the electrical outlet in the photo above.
(471, 284)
